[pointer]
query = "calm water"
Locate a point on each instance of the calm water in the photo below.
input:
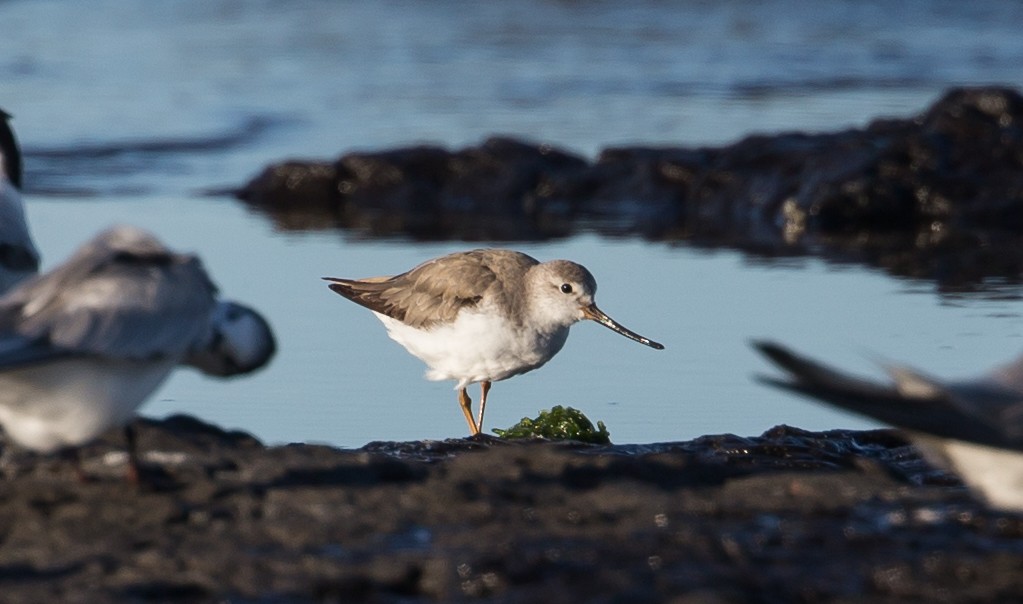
(128, 109)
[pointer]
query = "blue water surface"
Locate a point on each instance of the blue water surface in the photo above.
(130, 110)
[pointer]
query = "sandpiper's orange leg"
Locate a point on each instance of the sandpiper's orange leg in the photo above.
(466, 404)
(484, 389)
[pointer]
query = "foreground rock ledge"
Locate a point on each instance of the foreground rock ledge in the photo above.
(788, 516)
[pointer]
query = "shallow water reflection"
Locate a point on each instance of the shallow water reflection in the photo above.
(339, 379)
(314, 79)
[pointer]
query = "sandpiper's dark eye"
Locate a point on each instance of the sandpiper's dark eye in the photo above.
(566, 288)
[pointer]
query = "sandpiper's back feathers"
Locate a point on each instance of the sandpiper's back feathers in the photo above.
(437, 290)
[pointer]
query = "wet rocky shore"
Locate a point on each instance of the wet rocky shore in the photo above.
(789, 516)
(937, 195)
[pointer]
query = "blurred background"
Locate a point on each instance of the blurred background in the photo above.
(132, 112)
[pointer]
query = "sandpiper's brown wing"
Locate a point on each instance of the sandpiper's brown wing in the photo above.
(434, 292)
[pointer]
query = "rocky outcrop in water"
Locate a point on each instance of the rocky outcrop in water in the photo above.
(938, 195)
(788, 516)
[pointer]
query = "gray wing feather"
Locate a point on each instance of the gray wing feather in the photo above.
(123, 295)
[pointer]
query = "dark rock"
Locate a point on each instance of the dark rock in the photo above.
(936, 196)
(303, 195)
(787, 516)
(492, 191)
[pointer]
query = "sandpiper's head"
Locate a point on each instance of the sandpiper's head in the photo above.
(564, 293)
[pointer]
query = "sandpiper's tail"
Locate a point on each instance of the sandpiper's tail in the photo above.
(367, 292)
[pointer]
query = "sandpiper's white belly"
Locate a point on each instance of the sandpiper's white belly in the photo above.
(476, 346)
(68, 403)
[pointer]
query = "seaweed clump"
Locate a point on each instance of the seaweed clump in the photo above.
(560, 423)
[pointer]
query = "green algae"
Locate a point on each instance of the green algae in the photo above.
(560, 423)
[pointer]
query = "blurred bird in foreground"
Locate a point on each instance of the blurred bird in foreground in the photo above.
(83, 346)
(972, 427)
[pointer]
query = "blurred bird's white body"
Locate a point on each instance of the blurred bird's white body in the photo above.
(62, 404)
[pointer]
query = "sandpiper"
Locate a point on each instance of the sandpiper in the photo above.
(82, 346)
(972, 427)
(482, 316)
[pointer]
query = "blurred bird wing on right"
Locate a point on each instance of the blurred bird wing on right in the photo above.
(1008, 376)
(814, 376)
(131, 301)
(995, 398)
(969, 411)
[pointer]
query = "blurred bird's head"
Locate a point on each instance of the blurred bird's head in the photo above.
(240, 341)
